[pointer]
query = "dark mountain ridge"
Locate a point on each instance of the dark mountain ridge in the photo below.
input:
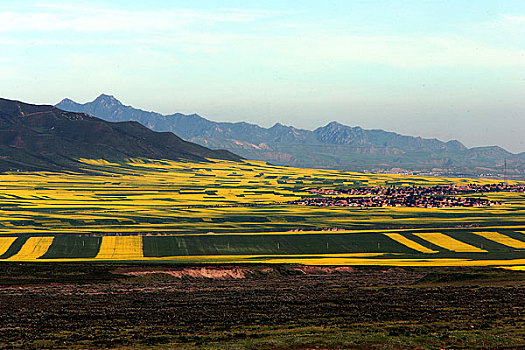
(41, 137)
(334, 145)
(194, 126)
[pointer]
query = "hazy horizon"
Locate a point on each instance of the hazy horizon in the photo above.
(432, 69)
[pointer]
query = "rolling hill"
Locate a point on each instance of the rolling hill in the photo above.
(40, 137)
(334, 145)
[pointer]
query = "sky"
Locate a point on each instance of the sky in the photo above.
(443, 69)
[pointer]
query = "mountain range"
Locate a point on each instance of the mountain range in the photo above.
(41, 137)
(334, 145)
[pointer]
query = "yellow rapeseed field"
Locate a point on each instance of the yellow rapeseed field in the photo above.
(514, 264)
(5, 243)
(145, 196)
(447, 242)
(33, 249)
(139, 196)
(121, 248)
(409, 243)
(321, 259)
(502, 239)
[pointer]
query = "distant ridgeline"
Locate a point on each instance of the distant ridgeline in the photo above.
(333, 146)
(39, 137)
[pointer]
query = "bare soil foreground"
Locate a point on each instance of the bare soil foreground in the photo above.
(126, 306)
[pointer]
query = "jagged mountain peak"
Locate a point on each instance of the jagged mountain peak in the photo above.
(456, 145)
(333, 125)
(67, 100)
(281, 126)
(107, 99)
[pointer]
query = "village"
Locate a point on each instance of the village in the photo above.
(408, 196)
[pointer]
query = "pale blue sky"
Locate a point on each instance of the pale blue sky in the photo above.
(445, 69)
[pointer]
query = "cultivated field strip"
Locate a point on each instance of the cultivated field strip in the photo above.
(33, 249)
(224, 211)
(121, 248)
(448, 242)
(409, 243)
(142, 197)
(137, 247)
(322, 249)
(502, 239)
(5, 243)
